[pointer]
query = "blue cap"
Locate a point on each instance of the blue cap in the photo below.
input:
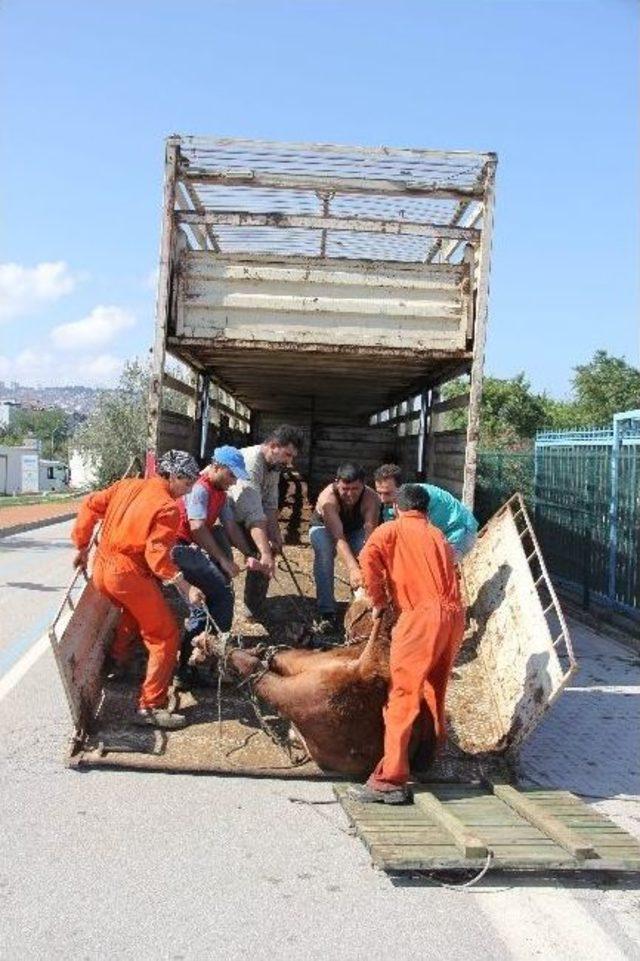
(232, 458)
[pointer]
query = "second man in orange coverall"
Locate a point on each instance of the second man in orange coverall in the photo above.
(140, 520)
(408, 563)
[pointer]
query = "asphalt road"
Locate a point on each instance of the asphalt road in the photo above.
(124, 865)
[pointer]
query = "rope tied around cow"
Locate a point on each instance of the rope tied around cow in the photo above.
(219, 643)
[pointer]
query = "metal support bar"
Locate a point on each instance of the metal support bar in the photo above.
(204, 414)
(422, 443)
(390, 228)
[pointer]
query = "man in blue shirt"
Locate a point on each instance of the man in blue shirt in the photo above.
(456, 521)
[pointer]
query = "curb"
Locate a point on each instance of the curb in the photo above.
(34, 525)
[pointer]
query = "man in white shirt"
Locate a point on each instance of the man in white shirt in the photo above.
(255, 507)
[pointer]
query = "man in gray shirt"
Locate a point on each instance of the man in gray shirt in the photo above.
(255, 507)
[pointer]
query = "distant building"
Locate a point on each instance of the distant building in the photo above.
(19, 470)
(53, 475)
(23, 471)
(8, 411)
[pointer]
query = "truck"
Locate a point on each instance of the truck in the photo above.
(341, 289)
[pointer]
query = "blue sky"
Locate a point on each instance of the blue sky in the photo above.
(90, 90)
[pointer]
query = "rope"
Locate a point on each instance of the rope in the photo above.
(314, 805)
(273, 736)
(465, 884)
(248, 682)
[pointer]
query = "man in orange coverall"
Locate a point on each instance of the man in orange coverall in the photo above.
(140, 520)
(409, 564)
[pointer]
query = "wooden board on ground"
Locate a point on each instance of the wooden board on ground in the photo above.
(418, 837)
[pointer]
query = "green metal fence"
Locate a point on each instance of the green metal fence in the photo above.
(583, 492)
(499, 475)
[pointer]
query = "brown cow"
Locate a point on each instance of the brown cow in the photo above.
(333, 698)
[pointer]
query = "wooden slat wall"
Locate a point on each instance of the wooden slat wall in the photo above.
(378, 306)
(176, 431)
(407, 455)
(181, 431)
(448, 460)
(368, 446)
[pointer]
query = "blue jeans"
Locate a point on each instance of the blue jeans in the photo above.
(324, 555)
(203, 572)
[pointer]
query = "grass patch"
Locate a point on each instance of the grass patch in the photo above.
(20, 500)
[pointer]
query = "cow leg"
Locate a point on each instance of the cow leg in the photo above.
(280, 691)
(287, 662)
(291, 662)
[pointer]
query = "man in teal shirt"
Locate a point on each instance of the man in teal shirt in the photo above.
(456, 521)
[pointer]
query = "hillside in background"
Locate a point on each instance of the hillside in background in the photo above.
(72, 400)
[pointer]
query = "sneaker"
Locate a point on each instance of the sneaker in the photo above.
(159, 717)
(368, 795)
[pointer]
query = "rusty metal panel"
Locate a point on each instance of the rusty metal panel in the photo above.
(79, 643)
(516, 656)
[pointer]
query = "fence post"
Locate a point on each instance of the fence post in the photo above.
(613, 507)
(586, 565)
(536, 450)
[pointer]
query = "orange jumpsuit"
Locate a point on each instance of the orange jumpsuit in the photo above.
(409, 562)
(140, 522)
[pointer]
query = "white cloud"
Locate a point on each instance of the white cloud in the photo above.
(33, 368)
(95, 330)
(25, 289)
(105, 369)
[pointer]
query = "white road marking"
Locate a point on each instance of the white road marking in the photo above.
(20, 668)
(549, 922)
(15, 674)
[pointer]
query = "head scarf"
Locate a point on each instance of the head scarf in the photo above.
(179, 463)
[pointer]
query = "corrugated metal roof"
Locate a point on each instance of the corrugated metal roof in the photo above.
(372, 192)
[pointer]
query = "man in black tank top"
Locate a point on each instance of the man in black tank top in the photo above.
(346, 513)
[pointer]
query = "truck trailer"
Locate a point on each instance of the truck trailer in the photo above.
(335, 288)
(338, 289)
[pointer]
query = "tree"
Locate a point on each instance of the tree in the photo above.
(510, 414)
(50, 426)
(116, 430)
(603, 387)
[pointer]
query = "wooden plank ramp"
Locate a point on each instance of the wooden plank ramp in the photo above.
(459, 826)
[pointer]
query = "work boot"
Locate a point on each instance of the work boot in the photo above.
(368, 795)
(159, 717)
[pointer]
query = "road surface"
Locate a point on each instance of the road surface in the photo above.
(171, 867)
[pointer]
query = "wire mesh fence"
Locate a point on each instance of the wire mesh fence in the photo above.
(583, 490)
(501, 474)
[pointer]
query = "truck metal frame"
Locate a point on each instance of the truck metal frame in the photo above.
(323, 285)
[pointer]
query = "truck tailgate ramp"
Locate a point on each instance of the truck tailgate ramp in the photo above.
(516, 656)
(465, 826)
(79, 636)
